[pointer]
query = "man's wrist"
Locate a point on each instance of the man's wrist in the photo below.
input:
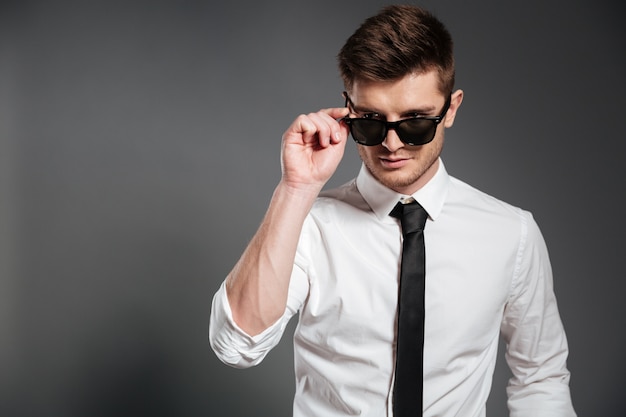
(299, 191)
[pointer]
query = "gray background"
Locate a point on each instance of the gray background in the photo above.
(133, 132)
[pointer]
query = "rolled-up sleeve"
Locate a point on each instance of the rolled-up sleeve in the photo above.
(234, 346)
(532, 329)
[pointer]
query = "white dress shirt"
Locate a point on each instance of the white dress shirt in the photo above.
(487, 273)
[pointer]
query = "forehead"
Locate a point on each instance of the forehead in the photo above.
(416, 90)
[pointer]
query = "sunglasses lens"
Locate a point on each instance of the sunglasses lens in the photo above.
(416, 131)
(367, 132)
(371, 132)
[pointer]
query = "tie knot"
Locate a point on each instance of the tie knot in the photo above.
(412, 216)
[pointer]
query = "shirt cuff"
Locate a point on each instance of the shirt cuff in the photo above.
(233, 345)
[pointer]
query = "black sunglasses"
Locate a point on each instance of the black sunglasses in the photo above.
(418, 130)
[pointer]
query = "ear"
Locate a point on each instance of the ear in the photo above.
(455, 103)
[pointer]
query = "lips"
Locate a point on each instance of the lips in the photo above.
(394, 162)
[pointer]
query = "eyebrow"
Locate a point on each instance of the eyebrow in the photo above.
(419, 110)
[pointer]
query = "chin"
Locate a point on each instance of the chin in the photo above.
(395, 180)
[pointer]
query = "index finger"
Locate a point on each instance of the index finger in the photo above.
(336, 112)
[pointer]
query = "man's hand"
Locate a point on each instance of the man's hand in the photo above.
(312, 148)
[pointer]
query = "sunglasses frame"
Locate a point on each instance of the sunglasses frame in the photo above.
(394, 125)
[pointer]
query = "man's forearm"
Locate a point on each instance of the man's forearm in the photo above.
(258, 285)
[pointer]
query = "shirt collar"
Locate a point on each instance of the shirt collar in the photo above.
(382, 199)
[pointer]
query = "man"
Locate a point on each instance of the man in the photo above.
(337, 258)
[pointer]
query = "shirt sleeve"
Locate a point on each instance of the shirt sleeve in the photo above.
(234, 346)
(533, 332)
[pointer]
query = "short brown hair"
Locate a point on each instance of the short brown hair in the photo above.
(396, 42)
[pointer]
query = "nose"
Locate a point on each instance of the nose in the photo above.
(392, 142)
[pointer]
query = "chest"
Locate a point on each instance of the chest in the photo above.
(355, 271)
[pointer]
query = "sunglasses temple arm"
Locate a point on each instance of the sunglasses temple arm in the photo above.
(345, 96)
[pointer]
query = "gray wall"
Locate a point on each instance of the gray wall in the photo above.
(133, 132)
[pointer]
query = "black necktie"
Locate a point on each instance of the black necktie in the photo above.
(408, 385)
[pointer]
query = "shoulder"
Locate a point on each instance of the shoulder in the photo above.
(340, 200)
(336, 208)
(468, 197)
(467, 207)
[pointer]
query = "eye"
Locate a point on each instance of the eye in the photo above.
(376, 116)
